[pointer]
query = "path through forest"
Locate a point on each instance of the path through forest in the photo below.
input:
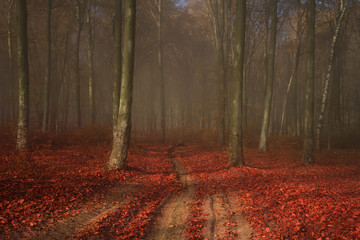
(223, 214)
(86, 216)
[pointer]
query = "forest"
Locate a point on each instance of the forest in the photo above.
(180, 119)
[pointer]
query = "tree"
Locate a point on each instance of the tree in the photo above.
(80, 17)
(121, 140)
(22, 142)
(328, 74)
(292, 80)
(308, 155)
(236, 146)
(10, 53)
(161, 71)
(218, 13)
(159, 23)
(47, 70)
(117, 62)
(91, 32)
(270, 78)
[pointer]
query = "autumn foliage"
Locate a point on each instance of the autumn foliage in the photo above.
(280, 198)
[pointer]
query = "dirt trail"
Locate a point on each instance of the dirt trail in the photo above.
(224, 219)
(172, 221)
(68, 229)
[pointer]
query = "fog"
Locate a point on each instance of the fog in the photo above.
(192, 74)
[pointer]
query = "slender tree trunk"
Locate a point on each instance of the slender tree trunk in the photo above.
(11, 61)
(266, 40)
(236, 145)
(91, 62)
(22, 143)
(269, 82)
(291, 80)
(160, 63)
(219, 18)
(308, 155)
(123, 130)
(117, 62)
(327, 80)
(47, 71)
(77, 63)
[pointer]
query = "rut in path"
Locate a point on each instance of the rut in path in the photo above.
(224, 217)
(68, 229)
(172, 222)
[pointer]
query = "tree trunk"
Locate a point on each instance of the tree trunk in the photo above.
(47, 70)
(160, 63)
(308, 155)
(327, 80)
(266, 40)
(117, 62)
(291, 80)
(77, 63)
(269, 82)
(236, 145)
(11, 61)
(22, 143)
(123, 130)
(91, 62)
(218, 13)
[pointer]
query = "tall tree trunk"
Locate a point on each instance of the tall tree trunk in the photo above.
(236, 145)
(10, 54)
(123, 130)
(327, 80)
(161, 72)
(77, 63)
(91, 62)
(291, 80)
(269, 82)
(117, 62)
(219, 19)
(47, 70)
(308, 154)
(266, 41)
(22, 143)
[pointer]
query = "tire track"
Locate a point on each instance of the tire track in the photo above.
(172, 221)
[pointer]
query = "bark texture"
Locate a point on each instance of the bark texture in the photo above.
(308, 154)
(123, 130)
(45, 121)
(80, 15)
(236, 145)
(91, 61)
(117, 62)
(22, 143)
(328, 77)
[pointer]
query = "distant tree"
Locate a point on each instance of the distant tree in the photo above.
(160, 63)
(117, 62)
(22, 142)
(47, 69)
(270, 59)
(91, 32)
(158, 18)
(308, 155)
(80, 17)
(218, 15)
(10, 54)
(236, 145)
(121, 140)
(292, 81)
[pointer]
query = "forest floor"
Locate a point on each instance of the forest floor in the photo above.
(60, 191)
